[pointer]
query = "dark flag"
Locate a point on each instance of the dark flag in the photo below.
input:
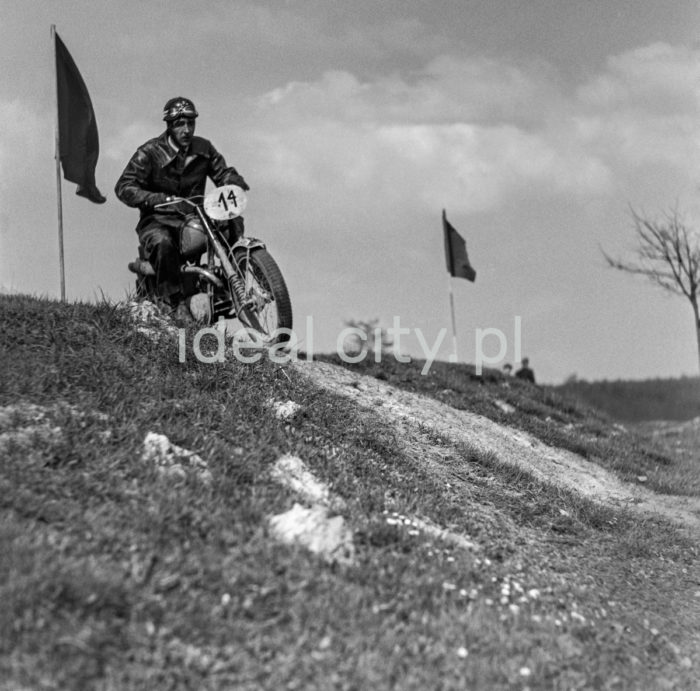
(456, 253)
(78, 145)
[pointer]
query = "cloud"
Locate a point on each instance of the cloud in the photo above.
(643, 111)
(477, 131)
(446, 90)
(466, 133)
(659, 79)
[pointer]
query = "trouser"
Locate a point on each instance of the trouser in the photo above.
(160, 246)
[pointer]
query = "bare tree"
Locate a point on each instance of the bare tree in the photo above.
(668, 253)
(374, 338)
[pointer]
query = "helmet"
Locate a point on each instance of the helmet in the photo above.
(193, 239)
(179, 107)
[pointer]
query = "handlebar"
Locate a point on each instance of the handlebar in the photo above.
(178, 200)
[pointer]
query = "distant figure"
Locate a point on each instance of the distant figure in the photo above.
(525, 372)
(508, 369)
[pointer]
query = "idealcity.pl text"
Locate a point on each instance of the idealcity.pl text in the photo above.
(353, 345)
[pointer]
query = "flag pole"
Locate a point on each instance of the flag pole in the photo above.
(452, 311)
(448, 248)
(59, 195)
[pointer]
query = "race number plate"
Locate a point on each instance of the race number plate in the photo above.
(225, 202)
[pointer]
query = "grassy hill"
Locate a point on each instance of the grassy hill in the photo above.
(640, 401)
(117, 575)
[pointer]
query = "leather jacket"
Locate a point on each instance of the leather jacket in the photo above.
(155, 172)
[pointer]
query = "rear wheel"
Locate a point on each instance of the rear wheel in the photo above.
(267, 307)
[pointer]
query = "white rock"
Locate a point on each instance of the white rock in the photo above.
(31, 437)
(505, 407)
(292, 472)
(150, 321)
(315, 530)
(172, 460)
(284, 410)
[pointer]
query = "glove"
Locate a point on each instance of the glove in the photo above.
(236, 179)
(150, 201)
(161, 198)
(158, 198)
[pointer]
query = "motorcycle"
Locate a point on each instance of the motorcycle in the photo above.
(237, 274)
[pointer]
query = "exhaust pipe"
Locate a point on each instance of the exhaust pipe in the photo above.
(204, 273)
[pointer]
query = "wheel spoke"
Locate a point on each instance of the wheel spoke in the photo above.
(267, 302)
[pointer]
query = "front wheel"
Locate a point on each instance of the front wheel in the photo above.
(267, 308)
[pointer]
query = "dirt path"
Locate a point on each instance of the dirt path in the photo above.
(515, 447)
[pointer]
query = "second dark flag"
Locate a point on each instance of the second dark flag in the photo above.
(456, 256)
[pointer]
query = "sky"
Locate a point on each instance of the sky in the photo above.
(536, 125)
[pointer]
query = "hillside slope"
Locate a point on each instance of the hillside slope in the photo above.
(465, 565)
(513, 447)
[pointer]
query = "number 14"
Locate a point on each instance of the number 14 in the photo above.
(230, 197)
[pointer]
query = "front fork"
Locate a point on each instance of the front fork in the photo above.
(233, 278)
(234, 281)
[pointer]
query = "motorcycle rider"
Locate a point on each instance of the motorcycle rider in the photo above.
(174, 164)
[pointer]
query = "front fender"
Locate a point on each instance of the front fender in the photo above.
(247, 244)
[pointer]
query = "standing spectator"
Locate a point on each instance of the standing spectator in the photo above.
(525, 372)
